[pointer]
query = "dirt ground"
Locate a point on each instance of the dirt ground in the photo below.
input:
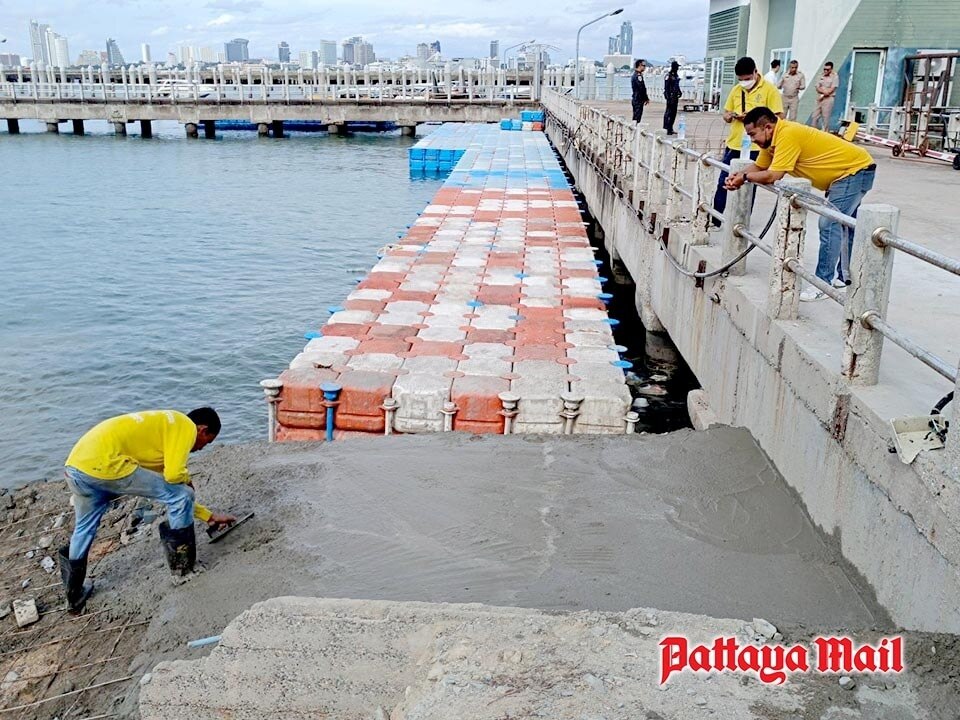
(558, 524)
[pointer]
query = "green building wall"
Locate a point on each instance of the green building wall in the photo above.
(900, 26)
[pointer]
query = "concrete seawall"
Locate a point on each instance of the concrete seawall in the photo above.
(896, 523)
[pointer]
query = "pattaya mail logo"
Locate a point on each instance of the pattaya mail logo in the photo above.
(772, 664)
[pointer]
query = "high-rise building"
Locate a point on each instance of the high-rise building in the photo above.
(348, 50)
(423, 54)
(494, 49)
(613, 45)
(38, 42)
(328, 52)
(237, 50)
(58, 49)
(626, 38)
(435, 47)
(364, 54)
(89, 57)
(309, 59)
(187, 55)
(283, 52)
(114, 56)
(9, 59)
(207, 55)
(145, 53)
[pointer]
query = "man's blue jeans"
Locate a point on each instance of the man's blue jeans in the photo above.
(846, 195)
(92, 498)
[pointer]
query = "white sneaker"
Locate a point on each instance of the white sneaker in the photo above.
(838, 283)
(811, 294)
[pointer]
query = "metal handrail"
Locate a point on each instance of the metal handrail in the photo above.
(585, 121)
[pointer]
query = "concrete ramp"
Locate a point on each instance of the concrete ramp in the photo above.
(298, 658)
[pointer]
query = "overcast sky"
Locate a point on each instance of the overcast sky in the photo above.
(464, 28)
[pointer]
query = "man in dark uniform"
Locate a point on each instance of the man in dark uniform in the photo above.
(640, 97)
(671, 93)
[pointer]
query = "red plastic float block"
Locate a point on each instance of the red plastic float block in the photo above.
(360, 400)
(478, 404)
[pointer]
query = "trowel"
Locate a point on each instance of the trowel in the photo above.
(216, 533)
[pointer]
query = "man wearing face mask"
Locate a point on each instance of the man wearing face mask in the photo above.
(844, 171)
(751, 91)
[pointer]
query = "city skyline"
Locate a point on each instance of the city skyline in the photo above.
(168, 24)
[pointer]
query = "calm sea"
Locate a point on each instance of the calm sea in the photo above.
(174, 273)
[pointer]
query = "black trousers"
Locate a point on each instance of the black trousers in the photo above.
(637, 112)
(670, 115)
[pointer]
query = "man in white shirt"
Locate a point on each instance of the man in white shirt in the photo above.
(773, 76)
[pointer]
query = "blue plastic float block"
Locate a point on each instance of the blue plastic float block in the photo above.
(446, 156)
(431, 155)
(506, 124)
(417, 153)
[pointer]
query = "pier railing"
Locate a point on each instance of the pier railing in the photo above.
(242, 93)
(671, 185)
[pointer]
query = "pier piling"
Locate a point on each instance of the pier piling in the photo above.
(209, 130)
(120, 128)
(77, 127)
(146, 129)
(13, 127)
(53, 127)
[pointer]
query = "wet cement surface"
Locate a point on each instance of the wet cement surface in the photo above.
(693, 522)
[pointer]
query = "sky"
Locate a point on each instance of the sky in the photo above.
(464, 28)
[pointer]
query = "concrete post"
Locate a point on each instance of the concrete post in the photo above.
(652, 195)
(952, 463)
(263, 130)
(13, 126)
(146, 129)
(631, 419)
(77, 127)
(571, 409)
(389, 408)
(509, 401)
(637, 145)
(705, 186)
(191, 129)
(209, 129)
(408, 130)
(53, 127)
(871, 269)
(448, 411)
(736, 215)
(271, 391)
(278, 128)
(677, 162)
(783, 297)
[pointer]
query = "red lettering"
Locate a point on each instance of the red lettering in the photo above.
(865, 658)
(891, 658)
(700, 658)
(749, 659)
(725, 653)
(673, 656)
(834, 654)
(771, 669)
(797, 659)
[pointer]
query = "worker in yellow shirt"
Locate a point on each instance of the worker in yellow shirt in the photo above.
(844, 171)
(751, 91)
(144, 454)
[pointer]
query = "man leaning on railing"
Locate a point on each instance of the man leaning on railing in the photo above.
(839, 168)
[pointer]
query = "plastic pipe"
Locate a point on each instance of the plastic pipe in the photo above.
(331, 392)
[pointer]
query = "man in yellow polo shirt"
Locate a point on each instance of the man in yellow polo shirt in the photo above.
(751, 91)
(145, 454)
(844, 171)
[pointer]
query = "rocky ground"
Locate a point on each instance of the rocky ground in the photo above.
(594, 526)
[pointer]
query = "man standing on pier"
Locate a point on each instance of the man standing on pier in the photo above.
(843, 170)
(639, 97)
(827, 85)
(671, 94)
(751, 91)
(144, 454)
(791, 84)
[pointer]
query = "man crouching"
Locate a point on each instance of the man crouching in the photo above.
(144, 454)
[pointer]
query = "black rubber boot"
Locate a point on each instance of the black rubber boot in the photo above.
(180, 547)
(73, 573)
